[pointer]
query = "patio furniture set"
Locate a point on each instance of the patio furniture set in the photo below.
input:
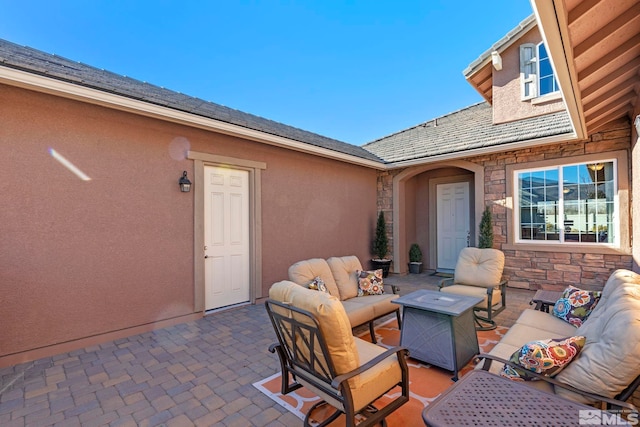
(317, 349)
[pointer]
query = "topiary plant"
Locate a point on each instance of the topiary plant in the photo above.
(486, 230)
(415, 254)
(381, 242)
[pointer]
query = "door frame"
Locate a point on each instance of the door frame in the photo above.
(255, 222)
(399, 202)
(433, 212)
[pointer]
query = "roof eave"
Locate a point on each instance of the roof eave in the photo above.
(499, 46)
(552, 23)
(484, 61)
(39, 83)
(554, 139)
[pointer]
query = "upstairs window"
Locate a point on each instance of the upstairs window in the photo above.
(536, 74)
(568, 204)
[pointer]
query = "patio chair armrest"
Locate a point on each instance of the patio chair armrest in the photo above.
(399, 351)
(445, 282)
(274, 347)
(488, 358)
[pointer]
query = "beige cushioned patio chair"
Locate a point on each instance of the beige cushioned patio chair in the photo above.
(478, 273)
(317, 350)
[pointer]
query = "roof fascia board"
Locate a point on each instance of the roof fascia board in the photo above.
(552, 21)
(500, 46)
(68, 90)
(484, 150)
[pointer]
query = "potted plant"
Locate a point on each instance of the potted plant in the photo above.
(486, 230)
(415, 259)
(381, 247)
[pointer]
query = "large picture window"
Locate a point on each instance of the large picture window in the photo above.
(568, 204)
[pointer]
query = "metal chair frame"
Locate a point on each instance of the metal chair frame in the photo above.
(303, 354)
(491, 312)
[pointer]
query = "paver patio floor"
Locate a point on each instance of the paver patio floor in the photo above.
(197, 373)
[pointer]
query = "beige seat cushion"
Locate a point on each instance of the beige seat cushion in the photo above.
(479, 267)
(381, 303)
(344, 272)
(364, 309)
(303, 273)
(610, 359)
(331, 317)
(532, 325)
(372, 383)
(475, 291)
(358, 313)
(555, 327)
(377, 380)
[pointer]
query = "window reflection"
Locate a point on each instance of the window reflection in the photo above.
(571, 203)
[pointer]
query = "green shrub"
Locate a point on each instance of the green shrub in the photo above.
(486, 230)
(381, 242)
(415, 254)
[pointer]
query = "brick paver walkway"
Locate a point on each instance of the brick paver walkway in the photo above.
(198, 373)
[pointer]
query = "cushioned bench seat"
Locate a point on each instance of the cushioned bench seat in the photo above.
(339, 275)
(609, 362)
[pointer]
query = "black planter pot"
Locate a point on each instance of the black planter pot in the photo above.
(383, 264)
(415, 267)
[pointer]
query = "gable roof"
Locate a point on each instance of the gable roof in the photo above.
(480, 73)
(56, 67)
(468, 131)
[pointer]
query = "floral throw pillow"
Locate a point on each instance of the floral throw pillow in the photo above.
(546, 357)
(370, 282)
(317, 284)
(575, 305)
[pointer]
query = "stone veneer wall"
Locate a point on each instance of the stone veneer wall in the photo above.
(530, 269)
(385, 202)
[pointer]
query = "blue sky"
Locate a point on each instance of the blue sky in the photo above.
(351, 70)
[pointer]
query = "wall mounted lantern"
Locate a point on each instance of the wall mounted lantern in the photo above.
(185, 184)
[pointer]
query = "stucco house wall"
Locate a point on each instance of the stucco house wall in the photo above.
(507, 101)
(87, 261)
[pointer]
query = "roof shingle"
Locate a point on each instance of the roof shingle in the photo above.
(38, 62)
(463, 130)
(458, 132)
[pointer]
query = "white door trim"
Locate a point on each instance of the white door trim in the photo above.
(226, 227)
(255, 221)
(459, 235)
(473, 208)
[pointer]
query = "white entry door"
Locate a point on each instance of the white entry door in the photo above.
(453, 226)
(226, 228)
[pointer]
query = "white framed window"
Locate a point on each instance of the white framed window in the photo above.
(574, 203)
(536, 73)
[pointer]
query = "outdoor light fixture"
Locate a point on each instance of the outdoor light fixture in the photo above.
(496, 60)
(185, 184)
(596, 166)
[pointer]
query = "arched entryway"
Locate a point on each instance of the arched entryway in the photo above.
(431, 204)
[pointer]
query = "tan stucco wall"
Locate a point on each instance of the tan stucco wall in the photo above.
(81, 259)
(507, 103)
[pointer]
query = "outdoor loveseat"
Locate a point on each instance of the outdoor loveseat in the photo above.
(341, 279)
(607, 366)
